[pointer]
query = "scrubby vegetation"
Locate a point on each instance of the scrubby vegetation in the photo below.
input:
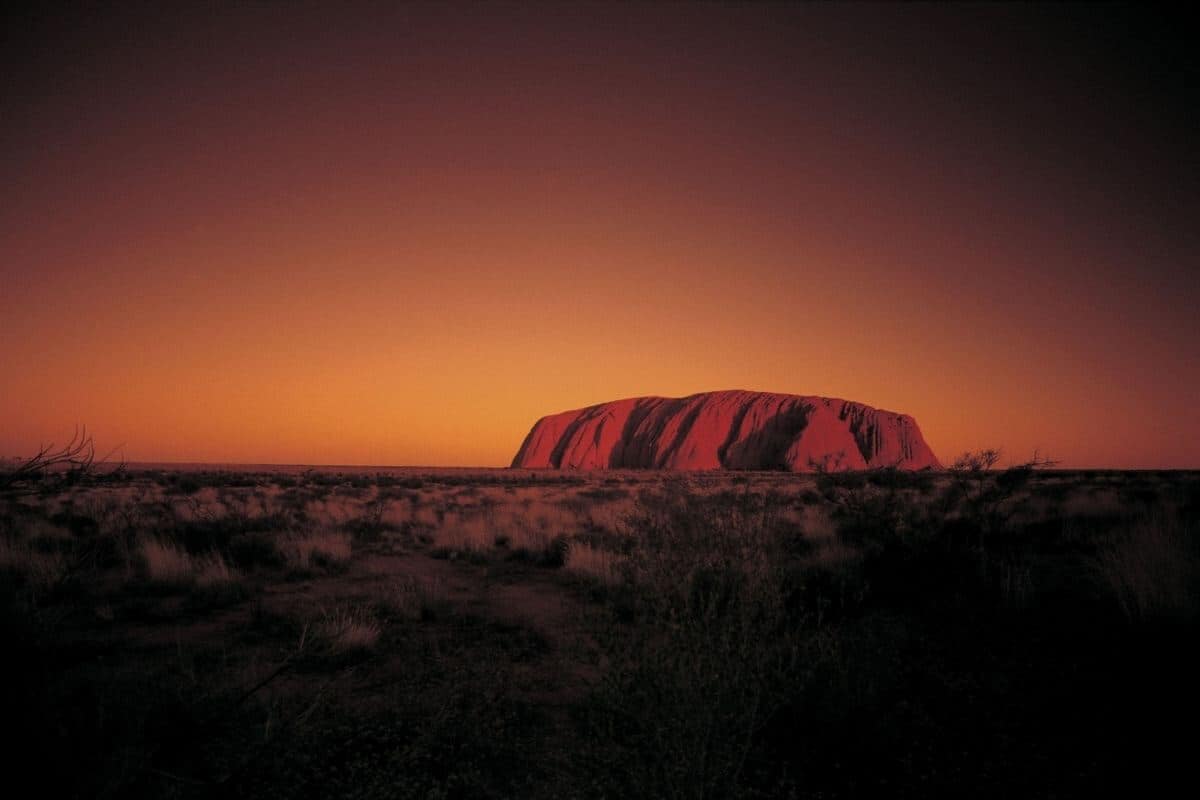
(980, 632)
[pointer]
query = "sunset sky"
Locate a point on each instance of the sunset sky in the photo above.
(377, 234)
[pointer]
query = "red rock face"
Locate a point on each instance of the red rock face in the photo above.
(726, 430)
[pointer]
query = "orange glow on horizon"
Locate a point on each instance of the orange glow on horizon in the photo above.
(402, 242)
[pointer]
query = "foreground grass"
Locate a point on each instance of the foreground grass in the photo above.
(634, 635)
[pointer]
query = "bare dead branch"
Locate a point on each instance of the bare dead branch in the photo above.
(69, 463)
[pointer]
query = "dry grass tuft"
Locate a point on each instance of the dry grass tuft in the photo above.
(1152, 568)
(527, 539)
(593, 562)
(319, 548)
(40, 570)
(411, 598)
(465, 535)
(213, 572)
(166, 562)
(348, 629)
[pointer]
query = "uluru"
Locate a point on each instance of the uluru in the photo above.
(734, 430)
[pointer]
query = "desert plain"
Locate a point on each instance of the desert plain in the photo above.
(174, 631)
